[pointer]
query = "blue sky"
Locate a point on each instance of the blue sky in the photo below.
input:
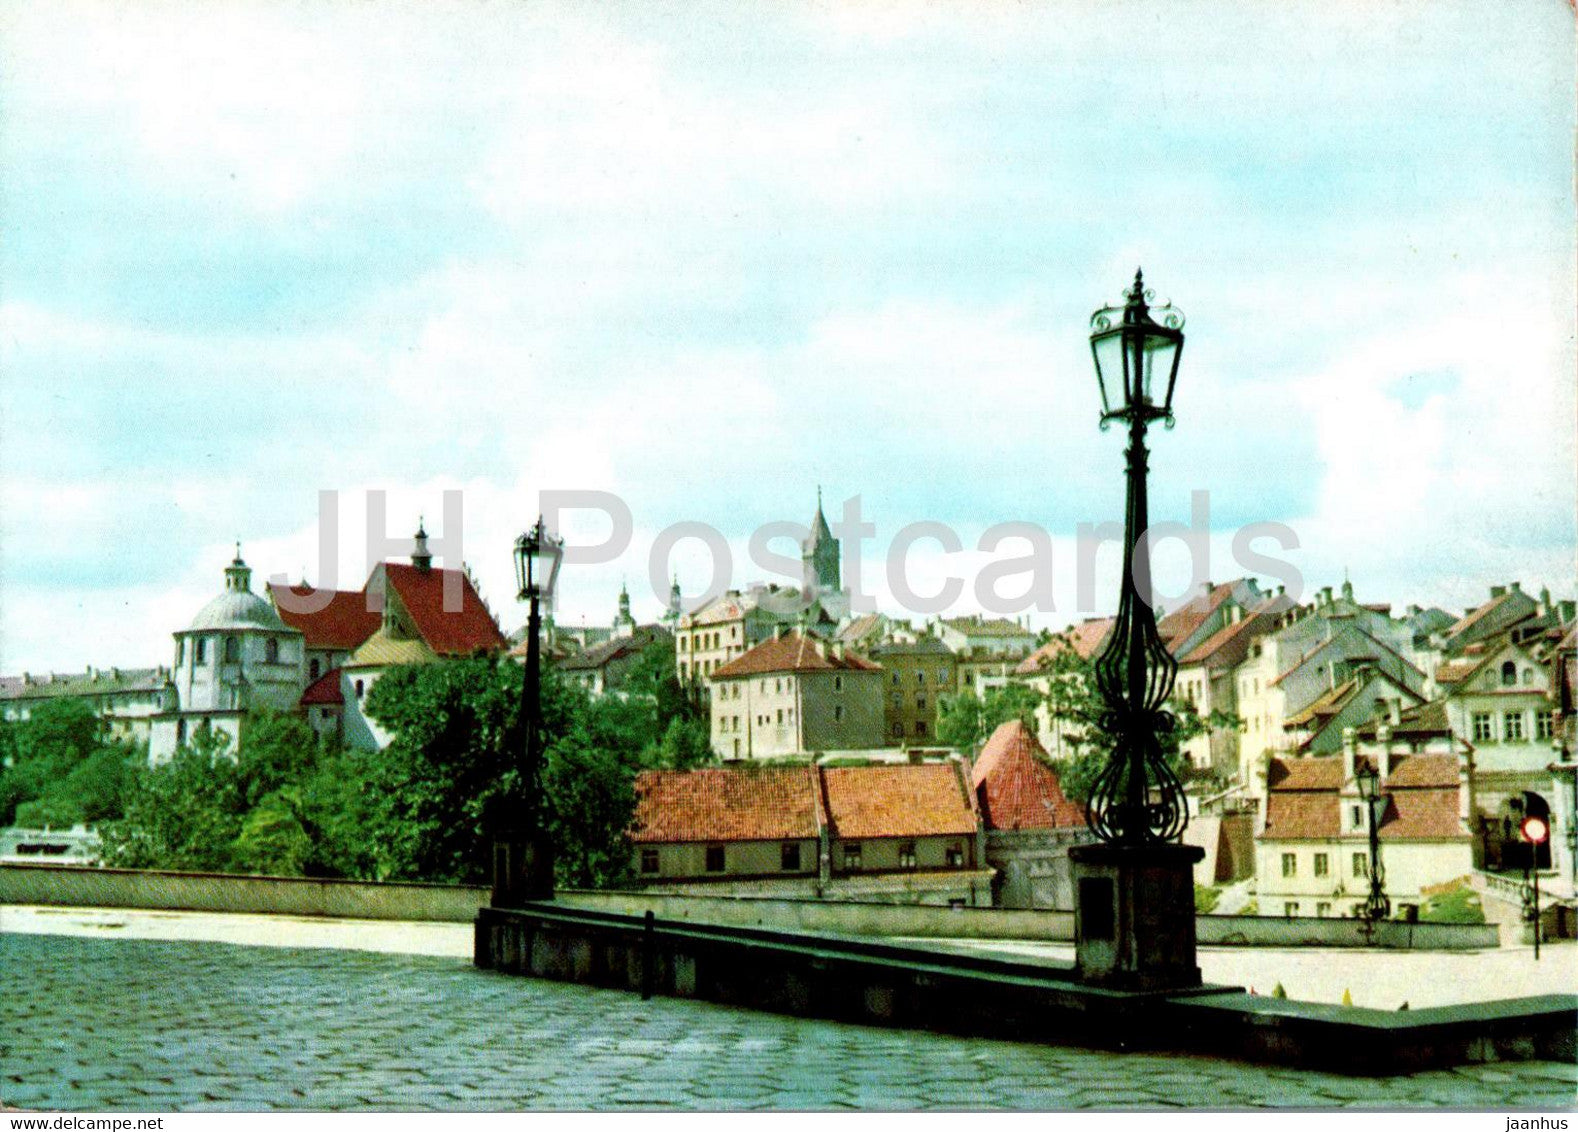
(711, 257)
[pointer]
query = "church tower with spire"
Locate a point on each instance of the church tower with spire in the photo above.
(819, 557)
(624, 623)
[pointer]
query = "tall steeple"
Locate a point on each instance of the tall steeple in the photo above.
(624, 623)
(420, 557)
(820, 555)
(672, 613)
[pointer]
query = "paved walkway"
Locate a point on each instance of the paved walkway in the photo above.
(142, 1024)
(1382, 980)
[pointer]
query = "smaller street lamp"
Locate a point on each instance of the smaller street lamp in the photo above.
(523, 856)
(1535, 831)
(1368, 779)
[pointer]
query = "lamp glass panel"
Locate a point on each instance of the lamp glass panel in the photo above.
(1110, 372)
(1157, 355)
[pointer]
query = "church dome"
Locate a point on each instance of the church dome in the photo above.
(238, 607)
(238, 611)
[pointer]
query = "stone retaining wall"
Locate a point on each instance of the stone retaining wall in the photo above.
(220, 892)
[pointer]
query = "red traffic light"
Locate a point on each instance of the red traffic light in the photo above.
(1535, 830)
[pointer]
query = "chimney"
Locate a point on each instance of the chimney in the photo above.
(1545, 601)
(838, 650)
(1414, 611)
(780, 630)
(1516, 587)
(1383, 743)
(1395, 711)
(1497, 591)
(1325, 595)
(1350, 743)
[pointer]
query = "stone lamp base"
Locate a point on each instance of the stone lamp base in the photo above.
(1134, 916)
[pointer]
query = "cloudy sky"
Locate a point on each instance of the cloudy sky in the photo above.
(708, 258)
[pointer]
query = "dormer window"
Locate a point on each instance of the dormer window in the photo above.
(1509, 674)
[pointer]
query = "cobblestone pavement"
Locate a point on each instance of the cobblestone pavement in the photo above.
(90, 1025)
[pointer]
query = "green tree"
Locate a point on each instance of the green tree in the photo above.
(59, 767)
(966, 721)
(184, 813)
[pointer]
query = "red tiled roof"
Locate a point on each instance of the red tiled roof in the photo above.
(1413, 771)
(459, 632)
(1227, 647)
(1189, 616)
(1422, 815)
(897, 801)
(1302, 816)
(1304, 802)
(733, 804)
(1323, 774)
(324, 690)
(1085, 639)
(1015, 786)
(342, 624)
(792, 652)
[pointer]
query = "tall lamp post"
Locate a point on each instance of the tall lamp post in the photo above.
(1135, 887)
(1535, 830)
(1376, 906)
(523, 857)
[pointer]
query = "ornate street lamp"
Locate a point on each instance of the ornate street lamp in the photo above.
(523, 859)
(1368, 779)
(1536, 831)
(1134, 923)
(1137, 799)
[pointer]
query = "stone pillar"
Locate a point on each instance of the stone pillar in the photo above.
(1134, 916)
(522, 869)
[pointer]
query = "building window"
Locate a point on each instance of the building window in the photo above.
(838, 683)
(1509, 675)
(955, 856)
(1512, 726)
(780, 717)
(942, 677)
(920, 728)
(1357, 814)
(649, 860)
(202, 651)
(898, 731)
(907, 855)
(1290, 908)
(852, 856)
(1361, 865)
(715, 858)
(1322, 865)
(1483, 732)
(180, 652)
(778, 685)
(180, 733)
(920, 703)
(1323, 909)
(271, 651)
(359, 689)
(1290, 865)
(789, 856)
(684, 670)
(898, 700)
(312, 671)
(1544, 724)
(920, 678)
(232, 650)
(838, 713)
(895, 679)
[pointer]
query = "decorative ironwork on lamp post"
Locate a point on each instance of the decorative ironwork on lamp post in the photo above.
(1137, 799)
(526, 872)
(1376, 905)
